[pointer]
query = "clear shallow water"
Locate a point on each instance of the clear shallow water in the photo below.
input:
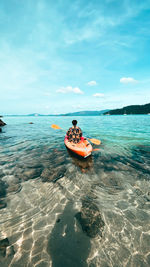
(58, 210)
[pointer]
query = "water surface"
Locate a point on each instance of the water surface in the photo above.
(58, 210)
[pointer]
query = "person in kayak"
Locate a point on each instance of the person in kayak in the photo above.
(74, 133)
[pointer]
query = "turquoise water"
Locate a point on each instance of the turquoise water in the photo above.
(59, 210)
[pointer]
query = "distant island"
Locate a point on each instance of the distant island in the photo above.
(79, 113)
(86, 113)
(129, 110)
(36, 114)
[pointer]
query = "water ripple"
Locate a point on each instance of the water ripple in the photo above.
(95, 212)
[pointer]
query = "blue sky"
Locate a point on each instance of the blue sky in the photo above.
(67, 55)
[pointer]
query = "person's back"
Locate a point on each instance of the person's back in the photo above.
(74, 133)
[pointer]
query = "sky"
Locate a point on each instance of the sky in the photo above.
(73, 55)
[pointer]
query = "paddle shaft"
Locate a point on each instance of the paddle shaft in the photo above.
(92, 140)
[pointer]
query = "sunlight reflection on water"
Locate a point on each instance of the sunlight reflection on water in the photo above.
(43, 188)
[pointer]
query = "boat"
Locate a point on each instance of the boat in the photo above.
(82, 149)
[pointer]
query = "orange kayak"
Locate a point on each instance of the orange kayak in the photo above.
(83, 148)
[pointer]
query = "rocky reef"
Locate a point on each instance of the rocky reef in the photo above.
(3, 188)
(6, 249)
(2, 123)
(90, 219)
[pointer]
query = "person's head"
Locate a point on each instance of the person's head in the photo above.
(74, 122)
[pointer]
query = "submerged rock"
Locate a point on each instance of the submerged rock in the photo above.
(2, 123)
(0, 130)
(10, 251)
(3, 187)
(14, 188)
(52, 175)
(2, 204)
(31, 173)
(3, 245)
(59, 174)
(90, 219)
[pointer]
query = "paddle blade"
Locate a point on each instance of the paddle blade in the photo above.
(95, 141)
(56, 127)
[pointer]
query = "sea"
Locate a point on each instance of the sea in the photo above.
(62, 211)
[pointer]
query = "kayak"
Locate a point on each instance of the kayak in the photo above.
(82, 149)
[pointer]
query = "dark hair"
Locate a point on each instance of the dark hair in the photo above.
(74, 122)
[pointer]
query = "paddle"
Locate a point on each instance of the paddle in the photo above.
(93, 140)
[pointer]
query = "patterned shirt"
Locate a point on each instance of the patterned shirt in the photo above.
(74, 134)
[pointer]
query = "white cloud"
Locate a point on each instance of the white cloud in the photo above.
(98, 95)
(92, 83)
(128, 80)
(70, 89)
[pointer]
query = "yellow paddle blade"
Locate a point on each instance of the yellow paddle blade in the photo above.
(54, 126)
(95, 141)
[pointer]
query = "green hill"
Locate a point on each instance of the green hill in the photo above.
(86, 113)
(128, 110)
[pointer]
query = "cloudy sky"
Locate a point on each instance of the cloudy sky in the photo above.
(67, 55)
